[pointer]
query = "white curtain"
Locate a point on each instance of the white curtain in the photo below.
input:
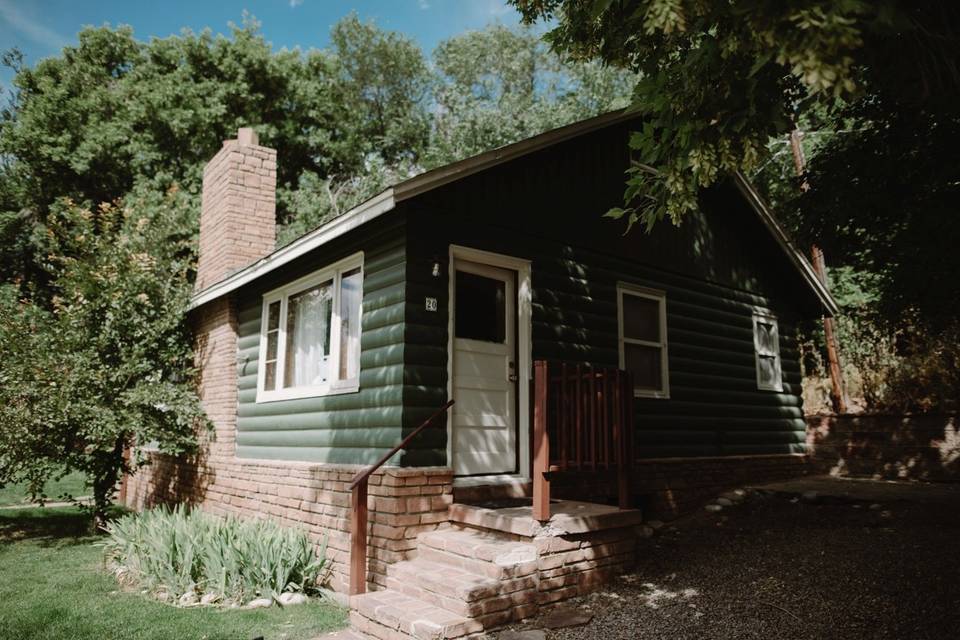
(350, 300)
(308, 337)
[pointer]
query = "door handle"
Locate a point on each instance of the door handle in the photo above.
(512, 375)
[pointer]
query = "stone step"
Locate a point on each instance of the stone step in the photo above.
(481, 552)
(390, 615)
(458, 590)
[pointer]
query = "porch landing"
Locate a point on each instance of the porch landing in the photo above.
(567, 517)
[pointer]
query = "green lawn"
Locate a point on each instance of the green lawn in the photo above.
(73, 484)
(53, 585)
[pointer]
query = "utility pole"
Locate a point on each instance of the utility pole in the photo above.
(838, 393)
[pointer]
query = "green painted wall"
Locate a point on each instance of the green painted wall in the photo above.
(348, 428)
(546, 208)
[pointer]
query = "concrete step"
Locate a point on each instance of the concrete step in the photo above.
(460, 591)
(390, 615)
(484, 553)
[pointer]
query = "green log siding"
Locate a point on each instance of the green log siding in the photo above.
(347, 428)
(714, 269)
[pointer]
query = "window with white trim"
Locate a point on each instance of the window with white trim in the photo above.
(766, 344)
(642, 318)
(310, 334)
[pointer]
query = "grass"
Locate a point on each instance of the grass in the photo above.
(53, 585)
(73, 484)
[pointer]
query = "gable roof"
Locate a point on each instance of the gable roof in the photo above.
(388, 199)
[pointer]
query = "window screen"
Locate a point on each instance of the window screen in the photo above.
(766, 340)
(480, 308)
(643, 340)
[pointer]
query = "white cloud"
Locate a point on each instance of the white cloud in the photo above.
(423, 4)
(295, 3)
(30, 27)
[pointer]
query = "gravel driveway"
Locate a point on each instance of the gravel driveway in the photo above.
(781, 567)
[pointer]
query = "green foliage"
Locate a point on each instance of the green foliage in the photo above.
(384, 81)
(107, 363)
(178, 552)
(501, 85)
(900, 365)
(88, 124)
(718, 79)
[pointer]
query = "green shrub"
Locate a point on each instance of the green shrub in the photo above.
(179, 555)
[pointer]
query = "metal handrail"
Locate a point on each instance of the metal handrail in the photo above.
(363, 475)
(358, 511)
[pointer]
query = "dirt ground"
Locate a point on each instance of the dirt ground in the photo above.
(857, 559)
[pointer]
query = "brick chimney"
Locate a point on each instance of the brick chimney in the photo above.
(238, 217)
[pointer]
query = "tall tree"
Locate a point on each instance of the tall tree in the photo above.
(500, 85)
(88, 123)
(107, 364)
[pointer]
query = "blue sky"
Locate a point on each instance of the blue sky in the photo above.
(40, 28)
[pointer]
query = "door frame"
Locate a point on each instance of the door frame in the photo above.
(524, 310)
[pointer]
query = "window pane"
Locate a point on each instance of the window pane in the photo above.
(480, 308)
(644, 363)
(308, 337)
(769, 377)
(270, 382)
(272, 345)
(273, 316)
(641, 318)
(350, 299)
(766, 337)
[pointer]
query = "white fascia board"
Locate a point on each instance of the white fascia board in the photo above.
(362, 213)
(798, 260)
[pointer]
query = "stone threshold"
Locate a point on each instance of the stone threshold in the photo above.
(567, 517)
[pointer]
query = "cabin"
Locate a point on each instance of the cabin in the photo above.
(474, 386)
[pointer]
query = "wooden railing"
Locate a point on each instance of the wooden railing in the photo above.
(582, 421)
(358, 508)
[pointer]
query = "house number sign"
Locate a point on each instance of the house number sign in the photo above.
(430, 304)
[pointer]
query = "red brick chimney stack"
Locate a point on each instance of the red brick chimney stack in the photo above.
(238, 217)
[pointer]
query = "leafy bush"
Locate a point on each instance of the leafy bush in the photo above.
(901, 365)
(179, 555)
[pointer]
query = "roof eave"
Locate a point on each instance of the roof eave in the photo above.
(362, 213)
(799, 261)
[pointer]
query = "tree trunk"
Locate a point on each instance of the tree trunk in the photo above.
(112, 464)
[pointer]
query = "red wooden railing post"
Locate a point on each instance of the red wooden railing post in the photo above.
(358, 508)
(627, 426)
(358, 538)
(541, 443)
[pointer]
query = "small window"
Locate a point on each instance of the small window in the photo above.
(481, 308)
(766, 343)
(310, 336)
(643, 339)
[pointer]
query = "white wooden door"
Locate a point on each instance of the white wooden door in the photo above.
(484, 385)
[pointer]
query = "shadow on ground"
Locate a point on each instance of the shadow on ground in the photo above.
(54, 526)
(882, 562)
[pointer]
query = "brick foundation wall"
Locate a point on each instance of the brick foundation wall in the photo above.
(890, 447)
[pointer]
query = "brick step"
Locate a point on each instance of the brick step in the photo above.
(390, 615)
(481, 552)
(460, 591)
